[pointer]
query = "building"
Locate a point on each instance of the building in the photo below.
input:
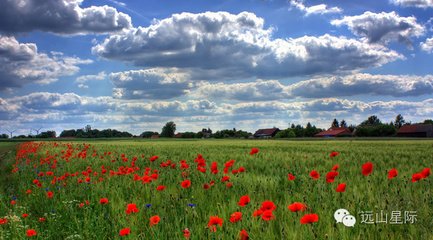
(155, 136)
(335, 132)
(266, 133)
(416, 130)
(178, 135)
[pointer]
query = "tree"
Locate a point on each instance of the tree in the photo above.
(343, 123)
(399, 121)
(88, 128)
(148, 134)
(428, 121)
(287, 133)
(47, 134)
(5, 136)
(168, 130)
(335, 123)
(372, 120)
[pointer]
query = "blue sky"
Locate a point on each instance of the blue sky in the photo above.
(134, 65)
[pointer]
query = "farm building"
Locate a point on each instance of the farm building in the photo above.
(178, 135)
(266, 133)
(155, 136)
(335, 132)
(416, 130)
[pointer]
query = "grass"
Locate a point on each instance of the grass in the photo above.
(265, 178)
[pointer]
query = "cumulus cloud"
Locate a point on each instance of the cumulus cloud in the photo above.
(382, 27)
(315, 9)
(217, 45)
(60, 17)
(150, 83)
(82, 80)
(427, 46)
(324, 87)
(21, 63)
(413, 3)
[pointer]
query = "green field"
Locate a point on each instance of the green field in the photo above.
(68, 216)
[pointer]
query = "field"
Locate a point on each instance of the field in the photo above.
(86, 190)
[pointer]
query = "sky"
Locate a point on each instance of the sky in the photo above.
(245, 64)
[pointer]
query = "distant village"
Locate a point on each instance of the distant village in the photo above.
(371, 127)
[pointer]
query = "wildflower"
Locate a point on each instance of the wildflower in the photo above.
(160, 188)
(153, 158)
(254, 151)
(330, 176)
(416, 177)
(297, 206)
(268, 205)
(103, 201)
(244, 235)
(186, 233)
(244, 200)
(3, 221)
(213, 221)
(31, 233)
(392, 173)
(235, 217)
(425, 172)
(309, 218)
(341, 187)
(131, 208)
(333, 154)
(268, 215)
(125, 231)
(367, 168)
(291, 177)
(154, 220)
(314, 175)
(186, 183)
(50, 194)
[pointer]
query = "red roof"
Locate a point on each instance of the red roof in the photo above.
(416, 128)
(334, 132)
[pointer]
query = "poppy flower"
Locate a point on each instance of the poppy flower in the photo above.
(41, 219)
(131, 208)
(206, 186)
(229, 184)
(425, 172)
(416, 177)
(244, 200)
(268, 206)
(25, 215)
(50, 194)
(235, 217)
(125, 231)
(254, 151)
(225, 178)
(309, 218)
(160, 188)
(3, 221)
(257, 213)
(330, 176)
(31, 233)
(213, 221)
(333, 154)
(103, 201)
(28, 191)
(186, 233)
(153, 158)
(341, 187)
(392, 173)
(244, 235)
(291, 177)
(297, 206)
(314, 175)
(268, 215)
(335, 167)
(367, 168)
(186, 183)
(154, 220)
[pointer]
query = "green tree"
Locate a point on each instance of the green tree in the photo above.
(399, 121)
(343, 123)
(428, 121)
(335, 124)
(168, 130)
(372, 120)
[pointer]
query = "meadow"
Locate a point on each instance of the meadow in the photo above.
(192, 189)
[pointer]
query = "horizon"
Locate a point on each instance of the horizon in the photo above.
(133, 66)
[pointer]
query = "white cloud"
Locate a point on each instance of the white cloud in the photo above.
(427, 46)
(21, 63)
(414, 3)
(60, 17)
(220, 45)
(382, 27)
(315, 9)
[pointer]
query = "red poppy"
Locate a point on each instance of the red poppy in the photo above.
(229, 185)
(213, 221)
(50, 194)
(330, 176)
(131, 208)
(425, 172)
(268, 206)
(154, 220)
(125, 231)
(225, 178)
(297, 206)
(254, 151)
(25, 215)
(153, 158)
(392, 173)
(244, 200)
(3, 221)
(341, 187)
(257, 213)
(235, 217)
(186, 233)
(31, 233)
(186, 183)
(333, 154)
(367, 168)
(291, 177)
(335, 167)
(244, 235)
(309, 218)
(41, 219)
(206, 186)
(267, 215)
(160, 188)
(28, 191)
(103, 201)
(314, 175)
(416, 177)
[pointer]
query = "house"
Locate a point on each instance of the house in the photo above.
(266, 133)
(335, 132)
(178, 135)
(155, 136)
(416, 130)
